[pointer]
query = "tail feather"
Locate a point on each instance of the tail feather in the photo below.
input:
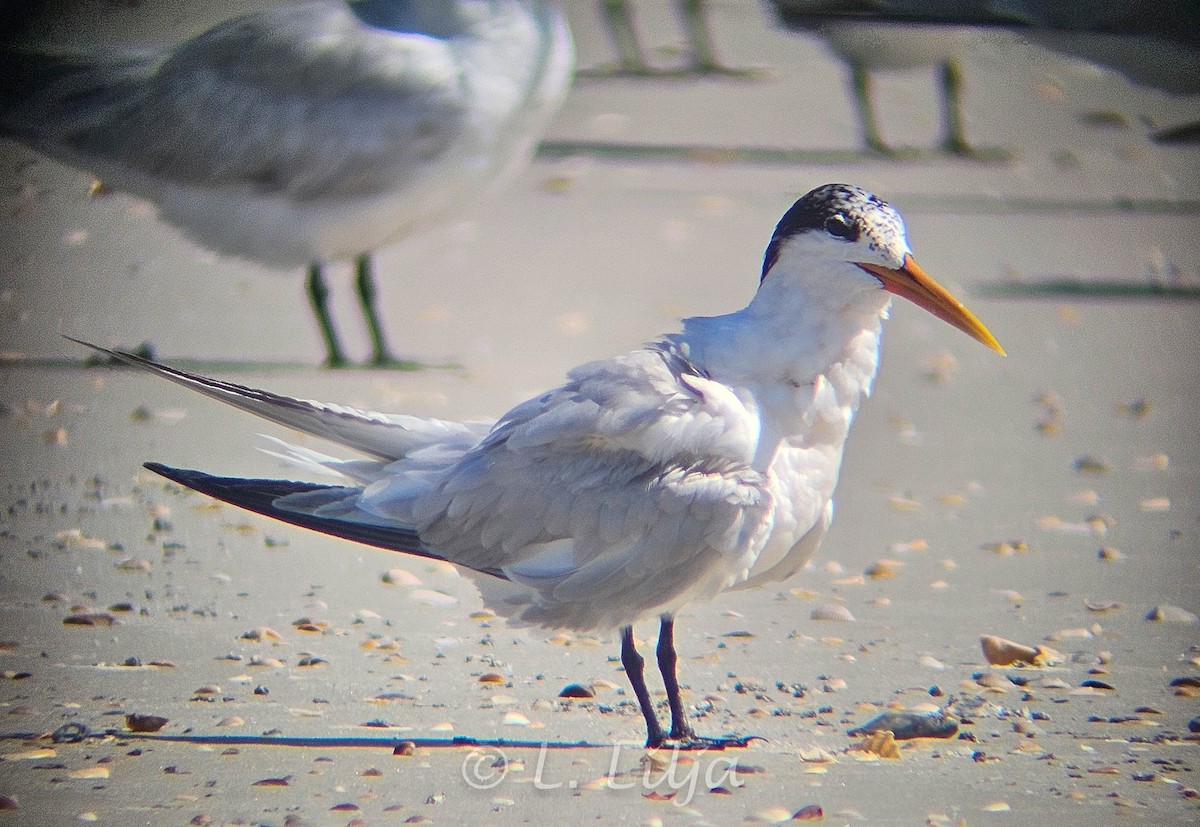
(385, 436)
(262, 496)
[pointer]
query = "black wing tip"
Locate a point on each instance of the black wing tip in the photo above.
(179, 475)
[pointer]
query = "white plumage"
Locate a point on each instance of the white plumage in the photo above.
(702, 462)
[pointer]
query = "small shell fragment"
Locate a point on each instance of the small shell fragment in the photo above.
(138, 722)
(882, 743)
(1166, 613)
(282, 781)
(1089, 464)
(884, 569)
(89, 772)
(263, 633)
(432, 597)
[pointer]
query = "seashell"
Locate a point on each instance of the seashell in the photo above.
(575, 690)
(137, 722)
(1001, 652)
(833, 612)
(400, 577)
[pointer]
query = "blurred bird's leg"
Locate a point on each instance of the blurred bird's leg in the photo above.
(364, 282)
(866, 111)
(634, 665)
(955, 138)
(318, 296)
(699, 35)
(619, 22)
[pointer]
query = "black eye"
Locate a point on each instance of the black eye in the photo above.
(841, 227)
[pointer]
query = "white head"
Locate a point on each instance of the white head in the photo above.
(853, 241)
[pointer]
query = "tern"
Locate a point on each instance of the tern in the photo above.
(702, 462)
(307, 133)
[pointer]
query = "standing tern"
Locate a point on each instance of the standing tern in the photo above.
(310, 132)
(702, 462)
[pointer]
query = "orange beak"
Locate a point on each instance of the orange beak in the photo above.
(914, 284)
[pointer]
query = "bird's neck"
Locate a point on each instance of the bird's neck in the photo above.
(803, 359)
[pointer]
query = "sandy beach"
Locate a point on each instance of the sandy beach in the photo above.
(1051, 498)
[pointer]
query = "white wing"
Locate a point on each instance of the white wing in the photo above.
(631, 484)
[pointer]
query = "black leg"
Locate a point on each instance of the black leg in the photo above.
(955, 139)
(667, 660)
(682, 733)
(318, 296)
(634, 665)
(364, 281)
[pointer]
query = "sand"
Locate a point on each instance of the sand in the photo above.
(1050, 498)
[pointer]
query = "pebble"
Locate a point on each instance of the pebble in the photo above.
(906, 725)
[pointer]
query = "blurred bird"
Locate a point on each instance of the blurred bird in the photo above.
(704, 461)
(701, 58)
(867, 45)
(310, 132)
(1152, 42)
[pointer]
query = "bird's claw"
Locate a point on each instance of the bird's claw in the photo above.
(693, 742)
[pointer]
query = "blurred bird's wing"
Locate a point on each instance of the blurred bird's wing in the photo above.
(261, 102)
